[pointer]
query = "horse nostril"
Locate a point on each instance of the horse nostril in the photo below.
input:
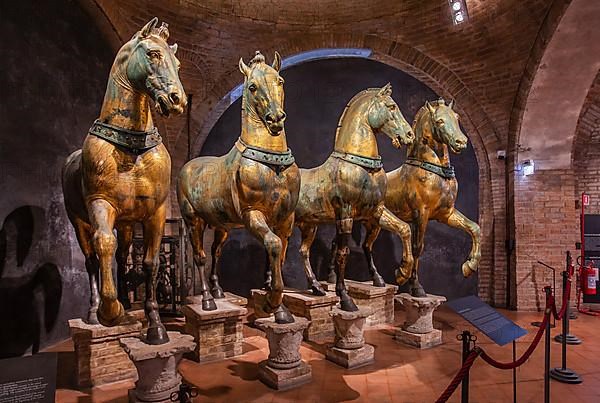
(174, 97)
(269, 117)
(282, 116)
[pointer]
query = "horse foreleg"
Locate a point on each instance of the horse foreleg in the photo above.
(419, 225)
(332, 277)
(308, 232)
(124, 240)
(153, 232)
(84, 237)
(373, 231)
(458, 220)
(102, 218)
(343, 225)
(256, 223)
(196, 227)
(217, 246)
(390, 222)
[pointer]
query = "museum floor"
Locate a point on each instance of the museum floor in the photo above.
(399, 374)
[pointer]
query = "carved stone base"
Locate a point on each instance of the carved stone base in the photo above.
(229, 297)
(314, 308)
(157, 366)
(258, 300)
(422, 340)
(218, 334)
(284, 379)
(365, 295)
(284, 369)
(100, 357)
(351, 358)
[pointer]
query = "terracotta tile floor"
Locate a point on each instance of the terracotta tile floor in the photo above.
(399, 374)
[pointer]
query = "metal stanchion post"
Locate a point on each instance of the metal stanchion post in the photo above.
(570, 338)
(548, 291)
(467, 338)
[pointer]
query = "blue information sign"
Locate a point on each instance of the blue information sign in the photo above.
(485, 318)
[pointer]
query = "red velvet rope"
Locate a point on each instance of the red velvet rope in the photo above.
(459, 376)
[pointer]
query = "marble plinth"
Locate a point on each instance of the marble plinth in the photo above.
(314, 308)
(157, 366)
(349, 349)
(100, 357)
(418, 330)
(365, 295)
(284, 369)
(218, 334)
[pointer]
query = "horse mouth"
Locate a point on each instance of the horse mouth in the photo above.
(275, 129)
(164, 106)
(457, 148)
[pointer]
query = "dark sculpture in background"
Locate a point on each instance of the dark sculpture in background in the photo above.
(351, 184)
(255, 186)
(425, 188)
(122, 173)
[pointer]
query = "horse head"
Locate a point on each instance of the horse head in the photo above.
(150, 65)
(444, 125)
(263, 92)
(385, 116)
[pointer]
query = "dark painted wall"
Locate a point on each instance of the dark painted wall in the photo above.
(316, 94)
(53, 70)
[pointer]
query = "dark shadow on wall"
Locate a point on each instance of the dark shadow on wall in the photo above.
(315, 96)
(29, 300)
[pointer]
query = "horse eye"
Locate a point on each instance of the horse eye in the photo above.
(154, 54)
(281, 81)
(252, 87)
(392, 107)
(440, 122)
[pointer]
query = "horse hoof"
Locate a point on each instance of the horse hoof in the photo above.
(378, 281)
(317, 289)
(332, 278)
(348, 305)
(157, 335)
(93, 318)
(209, 304)
(217, 293)
(110, 313)
(282, 315)
(418, 292)
(467, 270)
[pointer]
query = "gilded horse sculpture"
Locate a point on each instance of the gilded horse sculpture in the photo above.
(351, 184)
(254, 186)
(122, 174)
(424, 188)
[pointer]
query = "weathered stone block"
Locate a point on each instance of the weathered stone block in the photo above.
(284, 379)
(380, 300)
(314, 308)
(419, 340)
(351, 358)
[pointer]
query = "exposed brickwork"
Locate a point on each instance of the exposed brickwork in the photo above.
(378, 299)
(314, 308)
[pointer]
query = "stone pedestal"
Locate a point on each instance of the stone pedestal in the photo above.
(218, 334)
(349, 349)
(314, 308)
(258, 300)
(380, 300)
(284, 369)
(229, 297)
(418, 330)
(157, 366)
(100, 357)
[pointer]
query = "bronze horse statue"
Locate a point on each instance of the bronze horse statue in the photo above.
(122, 174)
(351, 184)
(254, 186)
(425, 188)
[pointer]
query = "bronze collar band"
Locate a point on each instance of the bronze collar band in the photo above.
(133, 141)
(365, 162)
(265, 156)
(444, 172)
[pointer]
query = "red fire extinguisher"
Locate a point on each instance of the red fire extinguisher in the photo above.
(589, 276)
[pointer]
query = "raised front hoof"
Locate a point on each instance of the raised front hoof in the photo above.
(346, 304)
(283, 315)
(217, 293)
(209, 304)
(332, 278)
(110, 313)
(378, 281)
(157, 335)
(317, 289)
(468, 268)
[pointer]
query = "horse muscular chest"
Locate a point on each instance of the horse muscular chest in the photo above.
(135, 184)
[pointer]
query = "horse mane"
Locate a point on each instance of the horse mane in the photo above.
(349, 104)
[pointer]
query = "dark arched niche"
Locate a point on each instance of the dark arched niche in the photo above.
(316, 93)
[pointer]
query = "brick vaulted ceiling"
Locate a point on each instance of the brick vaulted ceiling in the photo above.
(485, 57)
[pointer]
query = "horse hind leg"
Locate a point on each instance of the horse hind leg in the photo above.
(216, 249)
(418, 236)
(84, 237)
(343, 232)
(373, 231)
(124, 240)
(308, 232)
(332, 277)
(196, 227)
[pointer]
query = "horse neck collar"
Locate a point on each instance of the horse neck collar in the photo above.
(446, 172)
(360, 160)
(265, 156)
(133, 141)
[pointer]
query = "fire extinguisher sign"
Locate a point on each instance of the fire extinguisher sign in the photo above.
(585, 198)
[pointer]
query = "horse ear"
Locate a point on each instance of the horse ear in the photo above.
(277, 61)
(243, 68)
(386, 90)
(145, 32)
(429, 107)
(173, 48)
(451, 104)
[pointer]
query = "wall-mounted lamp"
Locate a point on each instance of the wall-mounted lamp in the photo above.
(528, 167)
(459, 12)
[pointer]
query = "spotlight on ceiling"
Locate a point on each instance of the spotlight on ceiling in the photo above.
(459, 12)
